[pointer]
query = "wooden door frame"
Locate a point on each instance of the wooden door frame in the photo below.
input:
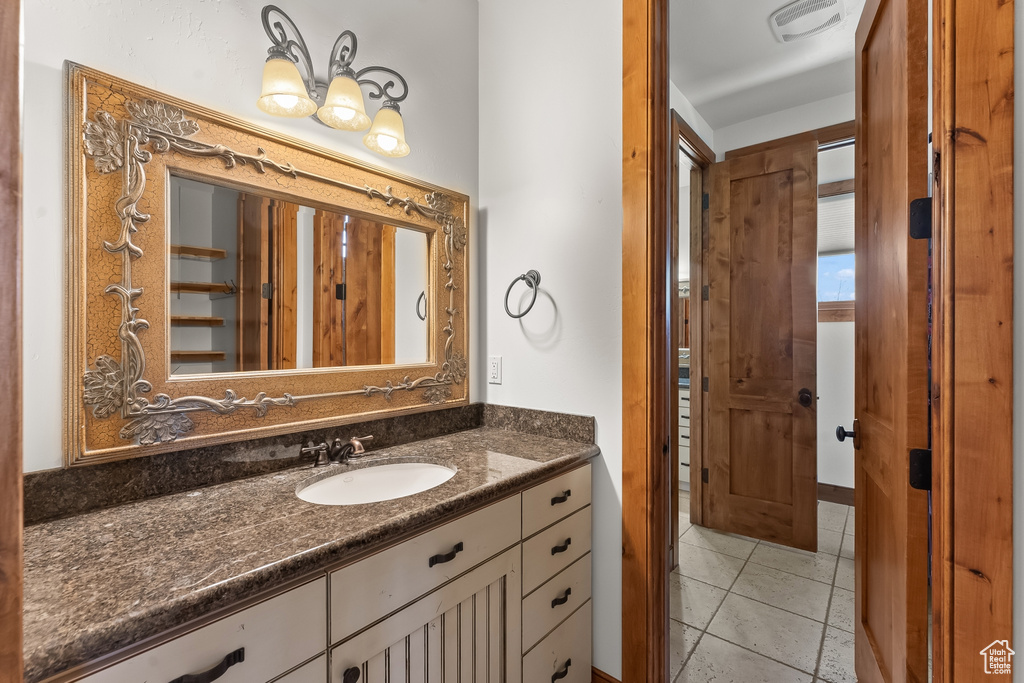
(646, 340)
(685, 139)
(11, 513)
(972, 391)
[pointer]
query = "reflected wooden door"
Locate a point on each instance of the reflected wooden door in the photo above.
(253, 338)
(891, 401)
(761, 393)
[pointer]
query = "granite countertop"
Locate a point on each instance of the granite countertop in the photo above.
(100, 581)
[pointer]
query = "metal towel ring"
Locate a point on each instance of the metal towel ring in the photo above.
(532, 279)
(423, 298)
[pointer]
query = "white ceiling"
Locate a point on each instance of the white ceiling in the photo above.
(725, 60)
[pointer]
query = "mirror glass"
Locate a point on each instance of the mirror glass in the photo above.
(259, 283)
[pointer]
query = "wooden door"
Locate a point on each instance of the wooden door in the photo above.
(253, 338)
(363, 270)
(761, 454)
(891, 401)
(284, 306)
(328, 278)
(11, 513)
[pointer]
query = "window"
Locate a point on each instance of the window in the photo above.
(835, 277)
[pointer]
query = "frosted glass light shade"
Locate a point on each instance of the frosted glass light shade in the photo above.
(284, 93)
(343, 108)
(387, 135)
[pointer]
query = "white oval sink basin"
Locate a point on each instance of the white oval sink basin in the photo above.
(376, 483)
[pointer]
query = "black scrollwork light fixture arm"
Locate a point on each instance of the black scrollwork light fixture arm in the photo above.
(288, 43)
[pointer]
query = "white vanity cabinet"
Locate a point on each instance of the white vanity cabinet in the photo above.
(684, 436)
(527, 607)
(500, 595)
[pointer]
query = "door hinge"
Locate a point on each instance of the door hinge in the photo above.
(267, 290)
(340, 292)
(704, 475)
(921, 469)
(705, 292)
(921, 218)
(665, 449)
(705, 201)
(704, 384)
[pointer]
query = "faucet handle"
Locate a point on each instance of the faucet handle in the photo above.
(311, 448)
(357, 443)
(319, 450)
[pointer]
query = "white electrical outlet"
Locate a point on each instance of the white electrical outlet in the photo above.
(494, 370)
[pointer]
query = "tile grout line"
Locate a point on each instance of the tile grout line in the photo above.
(831, 593)
(760, 602)
(729, 591)
(686, 660)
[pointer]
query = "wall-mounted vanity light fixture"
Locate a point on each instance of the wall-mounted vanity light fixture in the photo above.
(337, 103)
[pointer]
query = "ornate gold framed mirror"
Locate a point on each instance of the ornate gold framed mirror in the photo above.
(226, 282)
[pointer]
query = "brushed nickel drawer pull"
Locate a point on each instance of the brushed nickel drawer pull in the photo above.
(236, 657)
(447, 557)
(561, 548)
(563, 673)
(562, 498)
(562, 600)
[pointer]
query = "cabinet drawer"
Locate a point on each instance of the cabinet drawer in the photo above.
(277, 634)
(543, 556)
(568, 646)
(544, 608)
(543, 504)
(373, 588)
(314, 672)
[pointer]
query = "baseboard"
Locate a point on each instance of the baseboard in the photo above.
(602, 677)
(835, 494)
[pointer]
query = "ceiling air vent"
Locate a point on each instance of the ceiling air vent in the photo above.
(805, 18)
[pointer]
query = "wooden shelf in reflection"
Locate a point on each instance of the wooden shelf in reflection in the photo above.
(203, 253)
(197, 321)
(197, 356)
(202, 287)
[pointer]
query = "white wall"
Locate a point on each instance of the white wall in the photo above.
(678, 101)
(787, 122)
(212, 53)
(304, 287)
(410, 281)
(835, 402)
(551, 199)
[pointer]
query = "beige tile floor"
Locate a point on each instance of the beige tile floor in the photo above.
(747, 611)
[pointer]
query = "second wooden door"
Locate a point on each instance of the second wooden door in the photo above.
(761, 459)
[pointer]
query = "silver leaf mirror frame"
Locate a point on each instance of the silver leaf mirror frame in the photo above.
(121, 400)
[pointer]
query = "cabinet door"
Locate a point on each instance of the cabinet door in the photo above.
(467, 630)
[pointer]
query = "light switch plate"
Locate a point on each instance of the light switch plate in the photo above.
(494, 370)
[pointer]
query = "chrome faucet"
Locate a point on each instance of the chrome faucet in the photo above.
(339, 452)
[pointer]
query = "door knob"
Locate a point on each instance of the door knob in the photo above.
(854, 434)
(805, 398)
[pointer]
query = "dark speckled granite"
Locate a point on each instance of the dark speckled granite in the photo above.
(53, 494)
(104, 580)
(540, 422)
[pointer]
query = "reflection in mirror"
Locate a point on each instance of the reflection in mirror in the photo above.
(265, 284)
